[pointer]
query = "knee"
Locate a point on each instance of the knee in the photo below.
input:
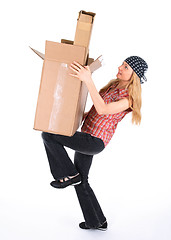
(46, 136)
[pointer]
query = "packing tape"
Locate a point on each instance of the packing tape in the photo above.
(58, 100)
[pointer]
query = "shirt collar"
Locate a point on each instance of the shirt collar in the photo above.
(115, 87)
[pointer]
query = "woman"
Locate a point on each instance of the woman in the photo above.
(111, 104)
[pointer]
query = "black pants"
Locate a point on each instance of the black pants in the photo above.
(85, 147)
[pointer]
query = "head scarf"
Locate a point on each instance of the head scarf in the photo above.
(139, 66)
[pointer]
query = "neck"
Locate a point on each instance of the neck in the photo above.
(122, 83)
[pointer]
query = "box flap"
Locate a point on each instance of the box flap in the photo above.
(64, 52)
(86, 16)
(93, 64)
(96, 64)
(41, 55)
(67, 41)
(89, 61)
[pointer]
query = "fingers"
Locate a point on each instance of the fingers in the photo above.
(73, 75)
(76, 67)
(78, 70)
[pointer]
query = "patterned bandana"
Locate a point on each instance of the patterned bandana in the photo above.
(139, 66)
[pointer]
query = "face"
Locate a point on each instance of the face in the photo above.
(124, 72)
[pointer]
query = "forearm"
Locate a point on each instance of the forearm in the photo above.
(84, 74)
(101, 106)
(96, 98)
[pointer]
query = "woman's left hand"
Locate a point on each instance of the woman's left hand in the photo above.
(82, 73)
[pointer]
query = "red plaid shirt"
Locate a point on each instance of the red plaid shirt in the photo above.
(104, 126)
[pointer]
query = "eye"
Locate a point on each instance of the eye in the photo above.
(126, 67)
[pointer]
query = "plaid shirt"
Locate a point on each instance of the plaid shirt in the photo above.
(104, 126)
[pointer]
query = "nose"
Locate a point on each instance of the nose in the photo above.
(120, 68)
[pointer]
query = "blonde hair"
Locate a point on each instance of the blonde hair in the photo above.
(134, 91)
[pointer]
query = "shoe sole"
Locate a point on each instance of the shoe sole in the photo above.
(102, 229)
(74, 184)
(58, 187)
(84, 227)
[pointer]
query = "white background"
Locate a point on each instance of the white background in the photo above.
(131, 178)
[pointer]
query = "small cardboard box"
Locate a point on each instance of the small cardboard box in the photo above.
(62, 98)
(84, 30)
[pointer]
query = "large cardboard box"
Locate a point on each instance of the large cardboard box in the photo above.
(93, 64)
(62, 98)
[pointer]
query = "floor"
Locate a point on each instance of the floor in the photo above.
(47, 213)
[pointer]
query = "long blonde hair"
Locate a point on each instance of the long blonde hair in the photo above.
(134, 91)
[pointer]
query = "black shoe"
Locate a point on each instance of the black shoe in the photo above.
(103, 227)
(70, 182)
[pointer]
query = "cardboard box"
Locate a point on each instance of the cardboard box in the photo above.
(93, 64)
(62, 98)
(84, 30)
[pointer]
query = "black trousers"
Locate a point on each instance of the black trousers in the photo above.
(85, 146)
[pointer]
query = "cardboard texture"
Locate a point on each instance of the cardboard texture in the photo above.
(93, 64)
(84, 29)
(41, 55)
(62, 98)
